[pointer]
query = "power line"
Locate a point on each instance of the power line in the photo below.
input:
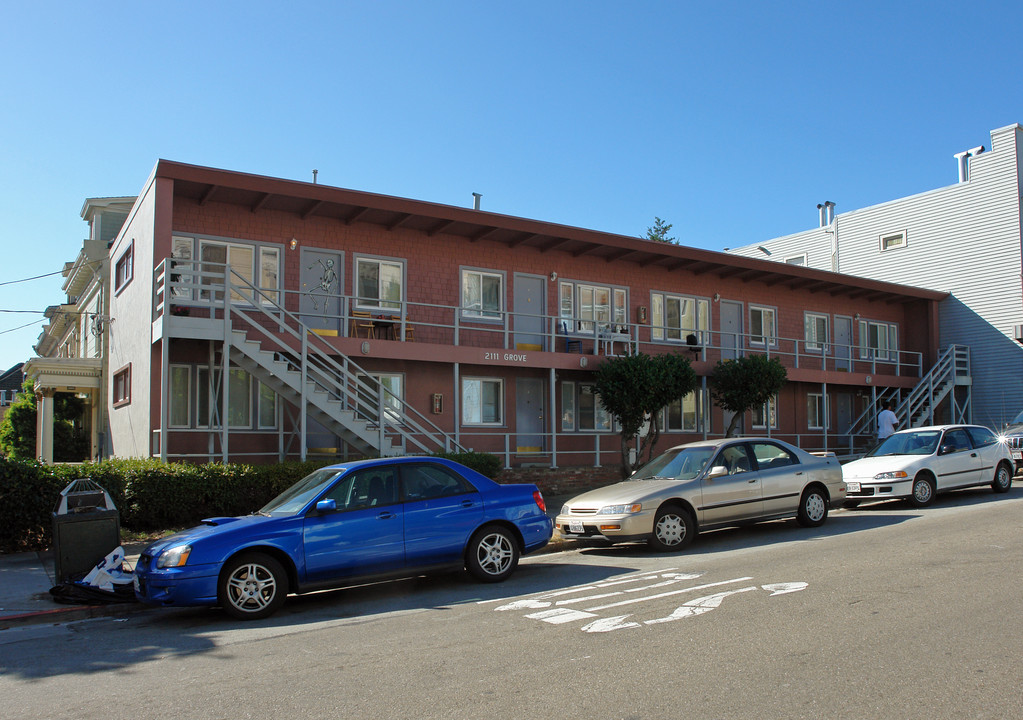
(20, 327)
(38, 277)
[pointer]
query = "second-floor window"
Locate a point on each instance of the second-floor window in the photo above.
(585, 307)
(482, 294)
(762, 326)
(676, 317)
(249, 264)
(815, 332)
(379, 283)
(879, 340)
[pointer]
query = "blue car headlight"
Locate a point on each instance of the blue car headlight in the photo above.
(621, 509)
(176, 556)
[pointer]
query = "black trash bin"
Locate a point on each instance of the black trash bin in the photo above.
(86, 528)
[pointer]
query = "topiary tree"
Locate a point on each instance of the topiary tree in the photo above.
(743, 384)
(634, 388)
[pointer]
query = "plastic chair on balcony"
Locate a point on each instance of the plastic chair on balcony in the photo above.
(363, 322)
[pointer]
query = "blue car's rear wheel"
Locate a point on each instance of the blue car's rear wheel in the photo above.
(492, 554)
(252, 586)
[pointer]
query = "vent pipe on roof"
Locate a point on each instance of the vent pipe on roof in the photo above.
(821, 213)
(963, 160)
(476, 200)
(314, 176)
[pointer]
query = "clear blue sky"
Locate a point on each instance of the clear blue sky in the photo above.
(730, 120)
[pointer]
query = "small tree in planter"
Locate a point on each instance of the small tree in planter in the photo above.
(746, 383)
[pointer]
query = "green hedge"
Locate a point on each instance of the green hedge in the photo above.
(152, 495)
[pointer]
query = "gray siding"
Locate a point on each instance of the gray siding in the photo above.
(964, 239)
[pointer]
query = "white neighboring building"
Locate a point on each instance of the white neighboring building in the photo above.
(964, 239)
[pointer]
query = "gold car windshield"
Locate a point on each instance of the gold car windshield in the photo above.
(676, 464)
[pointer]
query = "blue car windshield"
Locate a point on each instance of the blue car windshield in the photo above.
(924, 442)
(301, 493)
(676, 464)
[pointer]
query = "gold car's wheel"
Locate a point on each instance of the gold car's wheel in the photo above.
(813, 508)
(673, 529)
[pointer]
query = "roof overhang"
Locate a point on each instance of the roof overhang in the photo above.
(260, 194)
(64, 374)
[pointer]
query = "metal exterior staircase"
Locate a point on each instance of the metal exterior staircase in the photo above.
(917, 408)
(275, 347)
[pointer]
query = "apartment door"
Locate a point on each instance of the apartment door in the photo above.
(529, 308)
(529, 415)
(320, 290)
(731, 329)
(843, 342)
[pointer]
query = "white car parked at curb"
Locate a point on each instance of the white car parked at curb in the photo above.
(918, 463)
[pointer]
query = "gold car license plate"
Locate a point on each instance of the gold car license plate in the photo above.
(575, 527)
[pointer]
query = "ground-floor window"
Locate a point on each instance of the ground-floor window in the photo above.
(766, 416)
(393, 395)
(685, 414)
(816, 411)
(190, 387)
(482, 401)
(581, 408)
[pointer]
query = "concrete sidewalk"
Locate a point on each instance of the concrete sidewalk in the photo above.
(26, 579)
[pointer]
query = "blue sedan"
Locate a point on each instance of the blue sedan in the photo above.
(357, 521)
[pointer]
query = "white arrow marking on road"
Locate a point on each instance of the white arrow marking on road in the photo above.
(540, 601)
(783, 588)
(609, 624)
(699, 606)
(667, 594)
(557, 616)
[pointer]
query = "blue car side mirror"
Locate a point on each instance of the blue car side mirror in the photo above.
(326, 506)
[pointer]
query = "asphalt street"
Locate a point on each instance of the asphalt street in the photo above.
(884, 612)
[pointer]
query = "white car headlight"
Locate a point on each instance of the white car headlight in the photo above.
(174, 557)
(897, 475)
(621, 509)
(565, 509)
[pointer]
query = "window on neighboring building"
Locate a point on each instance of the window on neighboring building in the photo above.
(379, 283)
(766, 416)
(121, 386)
(816, 411)
(180, 395)
(124, 268)
(796, 260)
(892, 241)
(762, 328)
(878, 340)
(482, 294)
(482, 401)
(815, 331)
(685, 414)
(583, 306)
(676, 317)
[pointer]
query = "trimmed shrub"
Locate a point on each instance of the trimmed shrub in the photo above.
(483, 463)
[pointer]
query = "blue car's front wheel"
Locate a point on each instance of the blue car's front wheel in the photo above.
(252, 586)
(492, 554)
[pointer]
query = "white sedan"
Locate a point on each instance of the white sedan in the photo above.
(918, 463)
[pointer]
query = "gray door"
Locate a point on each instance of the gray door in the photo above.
(843, 342)
(731, 329)
(529, 415)
(320, 300)
(528, 321)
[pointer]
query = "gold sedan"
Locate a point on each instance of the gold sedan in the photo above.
(705, 485)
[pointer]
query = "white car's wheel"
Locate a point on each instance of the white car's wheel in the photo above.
(923, 491)
(1003, 479)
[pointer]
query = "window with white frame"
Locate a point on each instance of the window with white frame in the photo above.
(182, 249)
(762, 325)
(266, 409)
(379, 283)
(390, 385)
(675, 317)
(879, 340)
(766, 416)
(482, 294)
(482, 401)
(891, 241)
(587, 412)
(585, 306)
(815, 331)
(796, 260)
(817, 407)
(209, 398)
(180, 407)
(684, 414)
(258, 265)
